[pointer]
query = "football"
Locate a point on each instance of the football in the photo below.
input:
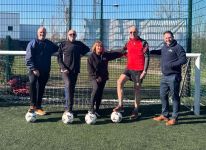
(116, 117)
(67, 117)
(30, 116)
(90, 118)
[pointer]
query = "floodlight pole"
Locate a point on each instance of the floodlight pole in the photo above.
(189, 27)
(70, 15)
(101, 23)
(189, 44)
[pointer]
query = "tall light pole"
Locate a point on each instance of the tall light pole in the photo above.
(101, 22)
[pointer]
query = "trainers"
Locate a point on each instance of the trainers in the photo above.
(118, 109)
(171, 122)
(134, 115)
(40, 112)
(90, 112)
(32, 109)
(97, 114)
(70, 111)
(161, 118)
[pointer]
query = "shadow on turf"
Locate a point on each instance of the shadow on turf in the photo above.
(147, 112)
(56, 119)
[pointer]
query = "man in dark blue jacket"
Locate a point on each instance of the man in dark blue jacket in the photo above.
(173, 56)
(38, 62)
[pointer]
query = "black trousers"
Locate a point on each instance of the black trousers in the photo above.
(69, 89)
(96, 95)
(37, 87)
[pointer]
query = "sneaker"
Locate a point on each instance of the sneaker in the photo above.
(40, 112)
(134, 115)
(118, 109)
(32, 109)
(97, 114)
(91, 112)
(171, 122)
(161, 118)
(70, 111)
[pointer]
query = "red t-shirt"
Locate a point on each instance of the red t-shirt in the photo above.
(135, 54)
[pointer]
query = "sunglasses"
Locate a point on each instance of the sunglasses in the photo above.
(72, 34)
(132, 32)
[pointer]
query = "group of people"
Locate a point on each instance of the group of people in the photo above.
(136, 50)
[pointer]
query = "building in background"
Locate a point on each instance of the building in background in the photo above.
(115, 32)
(10, 26)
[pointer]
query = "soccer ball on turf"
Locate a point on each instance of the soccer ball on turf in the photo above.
(90, 118)
(116, 117)
(67, 117)
(30, 116)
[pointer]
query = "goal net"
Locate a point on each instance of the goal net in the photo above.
(14, 82)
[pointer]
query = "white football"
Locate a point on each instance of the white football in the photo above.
(90, 118)
(67, 117)
(30, 116)
(116, 117)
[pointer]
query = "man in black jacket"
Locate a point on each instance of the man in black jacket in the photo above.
(173, 56)
(69, 57)
(38, 62)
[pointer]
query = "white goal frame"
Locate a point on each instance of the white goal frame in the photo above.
(197, 69)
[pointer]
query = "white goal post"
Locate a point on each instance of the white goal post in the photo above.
(197, 81)
(197, 71)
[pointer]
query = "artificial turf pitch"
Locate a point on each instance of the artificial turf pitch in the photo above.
(49, 133)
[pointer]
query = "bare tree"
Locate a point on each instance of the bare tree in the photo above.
(170, 8)
(65, 9)
(55, 36)
(42, 22)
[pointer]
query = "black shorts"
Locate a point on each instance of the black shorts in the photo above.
(133, 75)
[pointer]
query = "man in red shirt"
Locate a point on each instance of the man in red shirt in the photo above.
(136, 69)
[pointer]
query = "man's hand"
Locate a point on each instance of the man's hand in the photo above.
(99, 79)
(36, 73)
(65, 71)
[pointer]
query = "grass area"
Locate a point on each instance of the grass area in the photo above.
(50, 133)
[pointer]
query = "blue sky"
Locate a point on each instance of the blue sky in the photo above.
(32, 12)
(51, 11)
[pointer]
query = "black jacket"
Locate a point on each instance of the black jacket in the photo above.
(97, 65)
(172, 58)
(38, 55)
(70, 54)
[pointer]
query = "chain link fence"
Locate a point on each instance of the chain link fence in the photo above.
(107, 21)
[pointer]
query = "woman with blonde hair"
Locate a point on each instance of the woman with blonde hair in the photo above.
(97, 66)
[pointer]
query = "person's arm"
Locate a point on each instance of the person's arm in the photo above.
(30, 63)
(55, 48)
(147, 59)
(122, 50)
(90, 68)
(85, 49)
(156, 52)
(60, 59)
(111, 55)
(181, 54)
(52, 47)
(29, 59)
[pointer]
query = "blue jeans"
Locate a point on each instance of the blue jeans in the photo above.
(170, 84)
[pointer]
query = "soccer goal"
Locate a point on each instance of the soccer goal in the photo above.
(14, 82)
